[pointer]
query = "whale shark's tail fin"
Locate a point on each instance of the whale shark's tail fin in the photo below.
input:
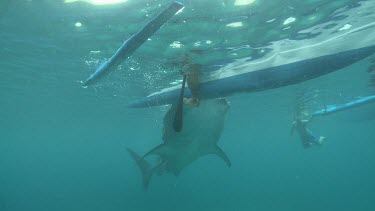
(144, 166)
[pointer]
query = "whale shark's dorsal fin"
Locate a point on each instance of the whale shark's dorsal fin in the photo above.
(219, 152)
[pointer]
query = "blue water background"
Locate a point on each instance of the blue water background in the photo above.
(63, 147)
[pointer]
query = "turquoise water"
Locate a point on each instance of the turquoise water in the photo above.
(63, 146)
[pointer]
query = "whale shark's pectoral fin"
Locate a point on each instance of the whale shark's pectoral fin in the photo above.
(144, 166)
(169, 157)
(219, 152)
(162, 150)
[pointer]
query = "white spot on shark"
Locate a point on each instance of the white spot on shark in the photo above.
(345, 27)
(235, 24)
(289, 20)
(176, 44)
(243, 2)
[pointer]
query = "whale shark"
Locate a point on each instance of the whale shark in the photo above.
(202, 129)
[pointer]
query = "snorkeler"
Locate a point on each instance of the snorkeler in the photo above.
(301, 119)
(307, 137)
(192, 71)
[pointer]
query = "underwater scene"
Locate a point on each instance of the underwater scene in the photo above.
(225, 105)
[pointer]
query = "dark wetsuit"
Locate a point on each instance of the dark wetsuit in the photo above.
(306, 135)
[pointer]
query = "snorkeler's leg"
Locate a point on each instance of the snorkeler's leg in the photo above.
(314, 140)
